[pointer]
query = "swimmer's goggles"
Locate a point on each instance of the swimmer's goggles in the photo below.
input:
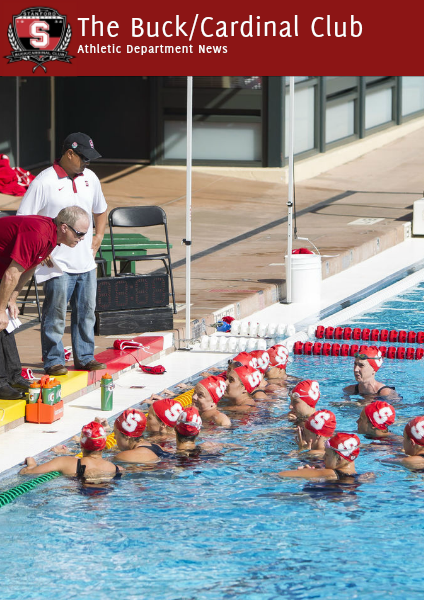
(365, 357)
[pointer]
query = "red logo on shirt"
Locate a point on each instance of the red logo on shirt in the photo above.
(86, 183)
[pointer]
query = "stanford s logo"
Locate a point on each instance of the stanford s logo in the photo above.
(39, 35)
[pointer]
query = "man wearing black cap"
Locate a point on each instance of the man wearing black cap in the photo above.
(69, 182)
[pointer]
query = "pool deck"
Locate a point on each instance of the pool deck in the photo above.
(239, 242)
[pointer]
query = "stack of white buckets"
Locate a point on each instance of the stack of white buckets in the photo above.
(245, 335)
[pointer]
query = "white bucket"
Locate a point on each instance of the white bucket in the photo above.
(306, 278)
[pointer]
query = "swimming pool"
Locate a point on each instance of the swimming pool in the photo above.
(226, 527)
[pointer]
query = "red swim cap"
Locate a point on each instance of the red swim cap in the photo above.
(259, 360)
(415, 430)
(346, 445)
(322, 422)
(278, 356)
(249, 377)
(308, 391)
(131, 422)
(93, 437)
(244, 358)
(380, 414)
(189, 422)
(216, 387)
(167, 410)
(373, 356)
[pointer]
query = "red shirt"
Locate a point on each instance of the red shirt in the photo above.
(28, 240)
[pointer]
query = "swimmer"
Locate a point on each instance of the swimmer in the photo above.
(187, 428)
(241, 382)
(128, 429)
(259, 360)
(375, 419)
(275, 374)
(413, 446)
(303, 399)
(162, 416)
(365, 367)
(341, 450)
(318, 428)
(207, 394)
(91, 467)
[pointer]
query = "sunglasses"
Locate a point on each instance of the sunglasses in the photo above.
(79, 234)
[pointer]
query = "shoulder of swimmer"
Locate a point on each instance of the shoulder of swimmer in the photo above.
(309, 473)
(139, 454)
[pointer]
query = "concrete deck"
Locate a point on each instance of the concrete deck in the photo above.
(239, 229)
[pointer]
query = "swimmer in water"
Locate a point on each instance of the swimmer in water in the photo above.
(375, 419)
(367, 363)
(207, 394)
(318, 428)
(413, 445)
(303, 399)
(241, 383)
(162, 416)
(187, 428)
(341, 450)
(275, 374)
(259, 360)
(128, 429)
(91, 468)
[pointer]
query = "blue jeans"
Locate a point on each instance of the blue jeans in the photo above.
(80, 290)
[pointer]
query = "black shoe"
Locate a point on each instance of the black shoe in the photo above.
(21, 383)
(93, 365)
(8, 393)
(56, 370)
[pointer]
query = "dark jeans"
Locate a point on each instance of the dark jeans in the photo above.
(10, 363)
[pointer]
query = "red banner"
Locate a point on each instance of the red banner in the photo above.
(168, 38)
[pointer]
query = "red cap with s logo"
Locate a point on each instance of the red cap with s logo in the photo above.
(346, 445)
(308, 391)
(322, 422)
(380, 414)
(167, 410)
(259, 360)
(189, 422)
(415, 430)
(249, 377)
(216, 387)
(278, 356)
(131, 422)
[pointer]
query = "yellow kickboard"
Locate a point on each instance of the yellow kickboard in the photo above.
(11, 410)
(72, 382)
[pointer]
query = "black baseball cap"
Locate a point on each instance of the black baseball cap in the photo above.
(82, 144)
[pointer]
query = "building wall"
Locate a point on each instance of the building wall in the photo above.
(237, 121)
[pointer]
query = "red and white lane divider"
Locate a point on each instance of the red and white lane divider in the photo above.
(335, 349)
(369, 335)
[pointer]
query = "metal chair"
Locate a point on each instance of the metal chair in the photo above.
(141, 216)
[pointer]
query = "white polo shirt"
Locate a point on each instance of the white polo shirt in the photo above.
(53, 190)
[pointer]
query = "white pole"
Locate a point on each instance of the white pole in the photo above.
(290, 196)
(188, 201)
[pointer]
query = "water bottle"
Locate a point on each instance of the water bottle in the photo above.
(106, 386)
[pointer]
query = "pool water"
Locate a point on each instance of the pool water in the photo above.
(226, 527)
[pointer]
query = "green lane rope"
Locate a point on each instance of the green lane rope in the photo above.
(10, 495)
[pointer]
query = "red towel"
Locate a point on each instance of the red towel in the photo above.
(13, 181)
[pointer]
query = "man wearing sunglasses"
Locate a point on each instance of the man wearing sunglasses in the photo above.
(69, 182)
(25, 242)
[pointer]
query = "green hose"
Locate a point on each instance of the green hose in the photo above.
(10, 495)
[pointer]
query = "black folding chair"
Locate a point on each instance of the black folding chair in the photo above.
(141, 216)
